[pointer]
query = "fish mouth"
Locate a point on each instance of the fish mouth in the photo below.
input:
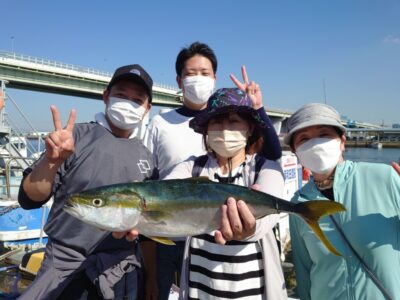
(68, 204)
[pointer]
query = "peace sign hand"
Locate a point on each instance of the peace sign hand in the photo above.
(251, 88)
(60, 143)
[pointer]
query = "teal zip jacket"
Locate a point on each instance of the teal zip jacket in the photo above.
(371, 194)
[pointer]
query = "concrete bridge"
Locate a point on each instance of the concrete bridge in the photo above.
(39, 74)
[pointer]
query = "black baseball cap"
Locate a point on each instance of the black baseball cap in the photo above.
(135, 72)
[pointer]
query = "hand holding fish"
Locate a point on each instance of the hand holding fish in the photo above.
(251, 88)
(237, 222)
(129, 235)
(60, 143)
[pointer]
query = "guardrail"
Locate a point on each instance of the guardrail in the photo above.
(6, 173)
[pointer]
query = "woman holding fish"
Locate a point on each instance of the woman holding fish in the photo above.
(243, 259)
(367, 234)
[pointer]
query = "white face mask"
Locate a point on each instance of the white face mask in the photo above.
(320, 155)
(227, 143)
(124, 114)
(197, 89)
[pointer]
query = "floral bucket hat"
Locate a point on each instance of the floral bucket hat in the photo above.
(224, 101)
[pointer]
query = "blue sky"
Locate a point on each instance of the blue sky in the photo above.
(288, 47)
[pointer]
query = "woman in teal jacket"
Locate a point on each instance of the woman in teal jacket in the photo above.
(367, 234)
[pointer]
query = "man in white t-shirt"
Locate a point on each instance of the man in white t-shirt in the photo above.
(168, 135)
(171, 141)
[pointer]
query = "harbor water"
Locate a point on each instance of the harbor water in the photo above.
(384, 155)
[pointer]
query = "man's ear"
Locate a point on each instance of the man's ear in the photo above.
(179, 81)
(147, 109)
(106, 94)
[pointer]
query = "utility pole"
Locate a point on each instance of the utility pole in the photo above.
(12, 43)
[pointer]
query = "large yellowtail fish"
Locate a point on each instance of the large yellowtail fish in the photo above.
(183, 207)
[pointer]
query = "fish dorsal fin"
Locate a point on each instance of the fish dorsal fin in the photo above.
(162, 240)
(200, 178)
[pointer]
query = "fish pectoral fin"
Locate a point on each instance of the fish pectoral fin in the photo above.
(154, 215)
(162, 240)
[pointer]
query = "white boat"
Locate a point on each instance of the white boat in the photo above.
(376, 145)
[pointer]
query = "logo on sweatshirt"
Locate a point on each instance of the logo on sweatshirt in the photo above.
(144, 166)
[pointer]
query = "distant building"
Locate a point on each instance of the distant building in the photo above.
(396, 125)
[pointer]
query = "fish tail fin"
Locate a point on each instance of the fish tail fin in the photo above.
(312, 211)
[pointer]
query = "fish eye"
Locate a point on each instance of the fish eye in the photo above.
(97, 202)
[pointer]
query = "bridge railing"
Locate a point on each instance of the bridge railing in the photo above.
(53, 63)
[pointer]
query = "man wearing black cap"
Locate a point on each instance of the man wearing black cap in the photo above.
(82, 262)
